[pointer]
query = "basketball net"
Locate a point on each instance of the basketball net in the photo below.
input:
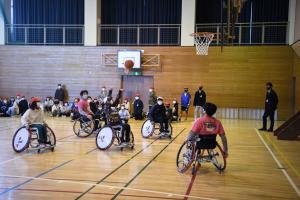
(202, 41)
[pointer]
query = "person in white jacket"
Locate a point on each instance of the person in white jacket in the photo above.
(34, 117)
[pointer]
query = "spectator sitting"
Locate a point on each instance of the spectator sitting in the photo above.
(48, 103)
(56, 109)
(3, 107)
(65, 109)
(13, 107)
(168, 112)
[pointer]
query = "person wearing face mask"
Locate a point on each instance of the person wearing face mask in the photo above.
(59, 94)
(13, 107)
(152, 98)
(138, 107)
(65, 109)
(157, 114)
(4, 107)
(271, 102)
(103, 94)
(127, 104)
(175, 116)
(199, 102)
(48, 103)
(74, 109)
(83, 105)
(56, 109)
(33, 117)
(124, 118)
(23, 105)
(185, 102)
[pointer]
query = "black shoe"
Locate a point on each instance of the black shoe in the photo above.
(262, 129)
(270, 130)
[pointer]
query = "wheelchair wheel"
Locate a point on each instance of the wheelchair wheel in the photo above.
(21, 140)
(218, 158)
(147, 129)
(185, 156)
(131, 138)
(105, 138)
(51, 138)
(83, 128)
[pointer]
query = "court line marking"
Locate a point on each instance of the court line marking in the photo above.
(189, 189)
(109, 186)
(30, 154)
(116, 169)
(31, 179)
(162, 150)
(92, 193)
(290, 180)
(281, 154)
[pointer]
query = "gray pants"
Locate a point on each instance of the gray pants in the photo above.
(198, 110)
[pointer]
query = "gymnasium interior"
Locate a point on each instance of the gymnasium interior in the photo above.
(231, 48)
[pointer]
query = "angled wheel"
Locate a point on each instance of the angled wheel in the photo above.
(147, 129)
(218, 158)
(21, 140)
(83, 128)
(170, 130)
(51, 138)
(105, 138)
(185, 156)
(131, 138)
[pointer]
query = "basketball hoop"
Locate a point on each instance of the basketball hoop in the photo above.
(202, 41)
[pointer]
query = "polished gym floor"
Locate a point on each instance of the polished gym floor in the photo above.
(258, 167)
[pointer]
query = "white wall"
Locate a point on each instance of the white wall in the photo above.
(297, 22)
(90, 22)
(188, 22)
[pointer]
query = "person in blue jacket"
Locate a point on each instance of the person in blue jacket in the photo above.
(185, 102)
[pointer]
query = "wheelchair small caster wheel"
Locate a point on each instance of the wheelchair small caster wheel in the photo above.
(52, 149)
(170, 136)
(121, 149)
(132, 147)
(39, 151)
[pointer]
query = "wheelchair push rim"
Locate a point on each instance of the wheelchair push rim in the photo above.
(147, 129)
(105, 138)
(83, 129)
(51, 138)
(185, 156)
(217, 158)
(21, 139)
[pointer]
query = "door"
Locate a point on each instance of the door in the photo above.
(137, 84)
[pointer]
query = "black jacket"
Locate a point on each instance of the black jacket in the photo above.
(157, 112)
(59, 94)
(271, 101)
(138, 106)
(200, 98)
(23, 106)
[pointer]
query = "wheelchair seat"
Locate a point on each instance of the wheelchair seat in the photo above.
(206, 142)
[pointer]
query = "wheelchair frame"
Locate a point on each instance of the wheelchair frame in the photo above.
(154, 130)
(32, 140)
(197, 157)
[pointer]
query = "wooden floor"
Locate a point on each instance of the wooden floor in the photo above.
(78, 170)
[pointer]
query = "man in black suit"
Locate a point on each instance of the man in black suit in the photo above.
(199, 102)
(271, 103)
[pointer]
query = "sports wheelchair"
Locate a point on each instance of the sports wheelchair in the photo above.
(149, 128)
(202, 150)
(111, 134)
(84, 127)
(24, 139)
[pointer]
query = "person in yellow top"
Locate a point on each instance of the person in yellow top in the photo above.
(34, 118)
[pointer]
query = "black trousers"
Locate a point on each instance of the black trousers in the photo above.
(125, 135)
(268, 113)
(164, 124)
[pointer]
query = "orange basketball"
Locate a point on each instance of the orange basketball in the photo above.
(129, 64)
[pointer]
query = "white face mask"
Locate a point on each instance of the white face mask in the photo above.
(59, 87)
(103, 89)
(18, 97)
(150, 90)
(38, 104)
(137, 98)
(5, 101)
(85, 96)
(159, 102)
(66, 104)
(174, 102)
(122, 108)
